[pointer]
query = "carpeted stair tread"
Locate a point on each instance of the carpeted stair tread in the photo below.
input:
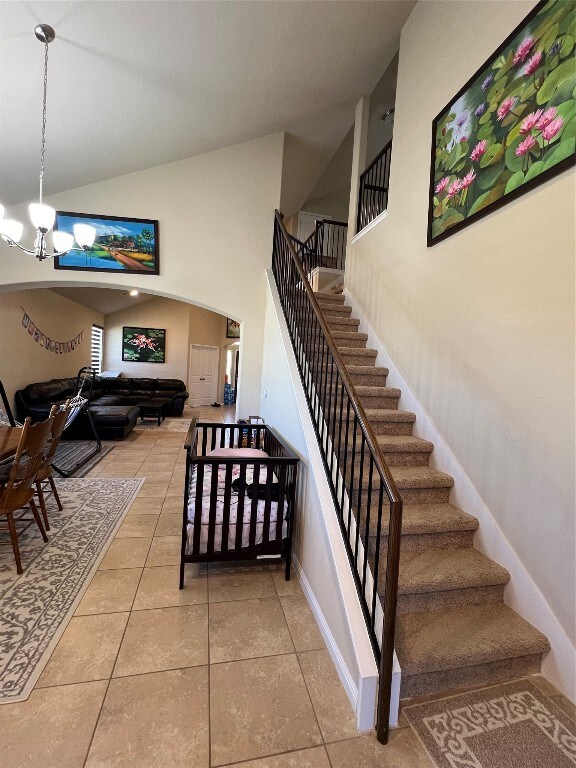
(386, 393)
(464, 637)
(370, 370)
(420, 477)
(385, 414)
(439, 570)
(336, 310)
(349, 336)
(369, 354)
(348, 322)
(329, 298)
(404, 444)
(429, 518)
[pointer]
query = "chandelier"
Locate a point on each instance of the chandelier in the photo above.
(42, 215)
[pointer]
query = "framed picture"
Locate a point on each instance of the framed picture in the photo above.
(232, 329)
(143, 345)
(511, 127)
(122, 245)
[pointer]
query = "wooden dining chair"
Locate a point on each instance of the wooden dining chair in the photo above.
(45, 485)
(18, 491)
(5, 407)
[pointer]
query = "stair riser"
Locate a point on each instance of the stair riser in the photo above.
(484, 674)
(388, 402)
(329, 299)
(375, 379)
(392, 458)
(375, 402)
(342, 323)
(425, 495)
(409, 496)
(453, 598)
(418, 542)
(392, 427)
(407, 459)
(334, 312)
(358, 343)
(351, 339)
(352, 359)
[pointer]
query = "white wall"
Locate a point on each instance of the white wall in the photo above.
(482, 325)
(171, 315)
(22, 360)
(318, 542)
(215, 215)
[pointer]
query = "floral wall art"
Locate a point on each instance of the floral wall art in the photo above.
(511, 127)
(143, 345)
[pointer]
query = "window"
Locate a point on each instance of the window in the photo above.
(96, 350)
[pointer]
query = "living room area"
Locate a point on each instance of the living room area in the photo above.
(97, 612)
(151, 349)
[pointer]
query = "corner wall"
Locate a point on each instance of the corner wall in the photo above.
(318, 544)
(171, 315)
(216, 214)
(482, 325)
(24, 361)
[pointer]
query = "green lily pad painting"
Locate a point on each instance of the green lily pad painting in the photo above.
(511, 127)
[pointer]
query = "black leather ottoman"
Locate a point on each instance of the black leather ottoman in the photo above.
(114, 422)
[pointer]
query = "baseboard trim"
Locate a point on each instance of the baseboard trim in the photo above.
(522, 594)
(343, 672)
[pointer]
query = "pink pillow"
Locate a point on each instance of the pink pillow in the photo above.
(238, 453)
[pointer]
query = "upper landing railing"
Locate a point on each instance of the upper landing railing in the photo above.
(373, 190)
(327, 245)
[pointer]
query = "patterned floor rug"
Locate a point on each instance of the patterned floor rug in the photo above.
(36, 606)
(505, 726)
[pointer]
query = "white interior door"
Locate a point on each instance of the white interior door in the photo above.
(203, 376)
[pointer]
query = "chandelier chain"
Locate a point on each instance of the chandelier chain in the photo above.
(43, 147)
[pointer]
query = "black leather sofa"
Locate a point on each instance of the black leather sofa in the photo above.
(113, 403)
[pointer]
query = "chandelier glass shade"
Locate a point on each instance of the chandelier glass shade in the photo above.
(41, 215)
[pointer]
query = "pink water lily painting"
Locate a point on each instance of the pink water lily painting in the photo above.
(511, 127)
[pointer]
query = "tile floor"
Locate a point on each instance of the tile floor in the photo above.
(231, 671)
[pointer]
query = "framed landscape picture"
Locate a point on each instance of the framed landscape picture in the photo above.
(121, 245)
(143, 345)
(511, 127)
(232, 329)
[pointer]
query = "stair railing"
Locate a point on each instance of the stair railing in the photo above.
(367, 501)
(326, 246)
(373, 190)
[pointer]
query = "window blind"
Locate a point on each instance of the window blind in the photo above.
(96, 349)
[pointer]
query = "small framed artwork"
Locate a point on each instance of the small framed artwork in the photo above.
(511, 127)
(143, 345)
(129, 246)
(232, 329)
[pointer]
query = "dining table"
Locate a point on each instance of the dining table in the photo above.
(9, 439)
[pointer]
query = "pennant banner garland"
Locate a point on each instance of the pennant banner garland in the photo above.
(58, 347)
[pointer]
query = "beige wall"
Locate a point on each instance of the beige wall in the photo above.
(482, 325)
(215, 213)
(185, 324)
(24, 361)
(334, 205)
(171, 315)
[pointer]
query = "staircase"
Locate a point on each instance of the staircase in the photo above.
(452, 629)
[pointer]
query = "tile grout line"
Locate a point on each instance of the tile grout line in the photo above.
(114, 665)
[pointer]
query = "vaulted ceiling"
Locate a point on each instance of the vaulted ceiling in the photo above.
(136, 84)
